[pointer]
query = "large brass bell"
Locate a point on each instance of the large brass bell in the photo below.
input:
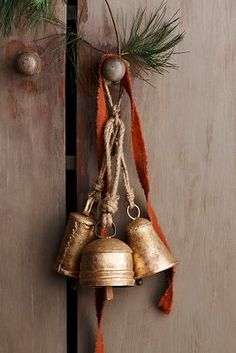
(149, 253)
(106, 262)
(79, 231)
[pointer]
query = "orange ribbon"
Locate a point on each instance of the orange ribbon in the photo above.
(141, 163)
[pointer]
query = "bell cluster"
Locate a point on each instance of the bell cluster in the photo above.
(110, 262)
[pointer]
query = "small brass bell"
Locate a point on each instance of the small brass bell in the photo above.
(149, 253)
(106, 262)
(79, 232)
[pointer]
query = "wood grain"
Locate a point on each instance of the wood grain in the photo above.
(32, 184)
(189, 124)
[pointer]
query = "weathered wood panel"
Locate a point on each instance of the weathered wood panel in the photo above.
(32, 184)
(189, 124)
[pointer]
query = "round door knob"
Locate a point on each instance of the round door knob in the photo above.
(28, 63)
(113, 69)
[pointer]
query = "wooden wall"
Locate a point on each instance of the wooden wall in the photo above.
(189, 124)
(190, 130)
(32, 210)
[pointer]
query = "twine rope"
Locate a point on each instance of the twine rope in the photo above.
(129, 191)
(95, 194)
(109, 204)
(113, 137)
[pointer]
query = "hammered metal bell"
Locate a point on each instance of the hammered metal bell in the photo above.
(149, 252)
(106, 262)
(79, 232)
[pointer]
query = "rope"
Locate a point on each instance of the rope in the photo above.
(113, 136)
(129, 191)
(109, 204)
(95, 194)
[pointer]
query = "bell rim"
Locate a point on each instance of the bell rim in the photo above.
(76, 216)
(64, 272)
(155, 272)
(107, 283)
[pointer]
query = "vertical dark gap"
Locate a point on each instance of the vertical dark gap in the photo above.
(71, 174)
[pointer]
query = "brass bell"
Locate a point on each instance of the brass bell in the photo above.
(149, 253)
(79, 232)
(106, 262)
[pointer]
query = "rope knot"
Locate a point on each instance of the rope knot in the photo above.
(109, 206)
(116, 112)
(130, 198)
(98, 186)
(97, 189)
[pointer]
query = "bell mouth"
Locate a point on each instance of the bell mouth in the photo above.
(155, 271)
(65, 272)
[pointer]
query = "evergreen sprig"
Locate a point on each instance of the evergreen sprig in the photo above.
(149, 44)
(23, 14)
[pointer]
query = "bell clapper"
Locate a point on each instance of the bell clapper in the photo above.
(109, 293)
(139, 282)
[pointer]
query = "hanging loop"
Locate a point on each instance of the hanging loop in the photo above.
(137, 210)
(112, 235)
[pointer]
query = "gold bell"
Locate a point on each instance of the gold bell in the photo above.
(79, 232)
(106, 262)
(149, 253)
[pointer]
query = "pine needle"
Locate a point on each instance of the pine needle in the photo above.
(147, 46)
(23, 14)
(150, 42)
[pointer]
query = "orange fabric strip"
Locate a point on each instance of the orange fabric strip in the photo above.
(141, 162)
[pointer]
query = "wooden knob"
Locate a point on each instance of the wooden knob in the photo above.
(113, 69)
(28, 63)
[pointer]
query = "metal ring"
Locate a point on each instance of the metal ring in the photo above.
(107, 236)
(138, 211)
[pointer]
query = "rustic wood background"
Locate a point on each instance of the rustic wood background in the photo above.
(32, 188)
(189, 124)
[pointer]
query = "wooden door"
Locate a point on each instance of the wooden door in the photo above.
(189, 125)
(33, 298)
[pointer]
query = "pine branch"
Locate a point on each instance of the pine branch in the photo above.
(150, 42)
(148, 45)
(23, 14)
